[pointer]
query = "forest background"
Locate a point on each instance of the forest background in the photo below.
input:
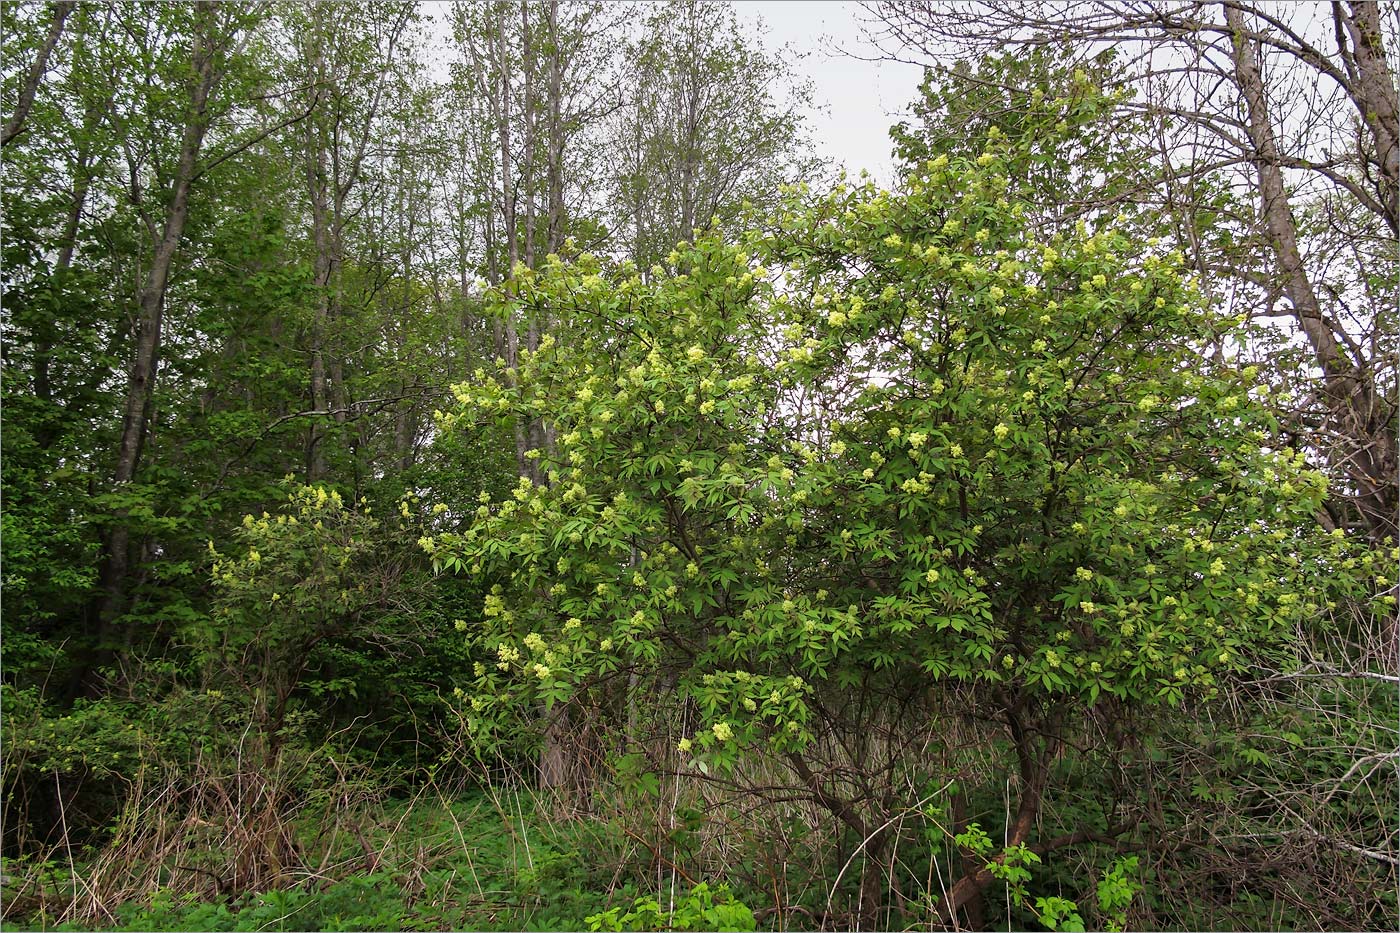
(475, 466)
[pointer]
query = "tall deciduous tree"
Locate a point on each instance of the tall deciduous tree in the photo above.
(540, 77)
(712, 120)
(347, 56)
(200, 48)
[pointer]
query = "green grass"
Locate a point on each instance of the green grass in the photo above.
(479, 863)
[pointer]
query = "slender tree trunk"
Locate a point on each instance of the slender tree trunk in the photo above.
(527, 434)
(320, 277)
(30, 88)
(634, 185)
(693, 83)
(150, 310)
(503, 117)
(510, 219)
(406, 416)
(529, 168)
(336, 142)
(77, 202)
(318, 184)
(556, 135)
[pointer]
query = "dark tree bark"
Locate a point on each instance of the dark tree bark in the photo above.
(1368, 456)
(141, 376)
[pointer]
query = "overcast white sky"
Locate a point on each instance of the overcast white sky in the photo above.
(861, 99)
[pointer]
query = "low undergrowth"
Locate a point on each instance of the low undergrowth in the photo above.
(486, 861)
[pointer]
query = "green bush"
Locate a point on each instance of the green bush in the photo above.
(701, 909)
